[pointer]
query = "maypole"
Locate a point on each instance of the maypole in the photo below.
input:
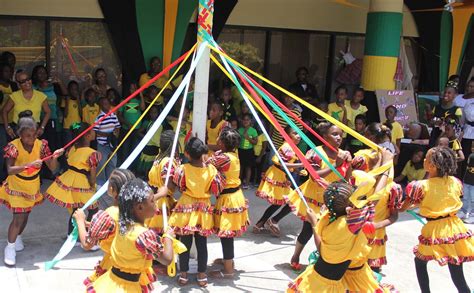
(201, 88)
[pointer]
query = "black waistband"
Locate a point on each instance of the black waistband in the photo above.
(28, 177)
(82, 171)
(329, 271)
(125, 276)
(230, 190)
(438, 218)
(151, 150)
(356, 268)
(469, 123)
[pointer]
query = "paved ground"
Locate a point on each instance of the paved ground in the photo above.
(261, 260)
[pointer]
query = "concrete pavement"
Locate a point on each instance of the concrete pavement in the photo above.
(261, 260)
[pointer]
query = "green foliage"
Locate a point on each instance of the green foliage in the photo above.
(244, 53)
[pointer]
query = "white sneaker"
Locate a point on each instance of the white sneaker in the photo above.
(19, 246)
(10, 254)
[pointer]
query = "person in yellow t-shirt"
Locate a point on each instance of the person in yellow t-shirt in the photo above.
(354, 108)
(413, 169)
(396, 129)
(337, 109)
(91, 110)
(72, 108)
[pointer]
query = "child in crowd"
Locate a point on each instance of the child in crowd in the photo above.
(353, 145)
(381, 135)
(260, 152)
(193, 213)
(244, 109)
(413, 169)
(452, 131)
(102, 228)
(72, 109)
(114, 96)
(312, 189)
(248, 138)
(107, 132)
(337, 109)
(396, 129)
(151, 150)
(157, 177)
(134, 246)
(444, 238)
(20, 192)
(149, 95)
(215, 124)
(231, 210)
(76, 186)
(275, 185)
(91, 110)
(354, 108)
(467, 212)
(183, 132)
(228, 104)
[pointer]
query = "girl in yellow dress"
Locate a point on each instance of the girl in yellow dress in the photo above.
(156, 179)
(311, 189)
(76, 186)
(214, 125)
(231, 210)
(444, 238)
(193, 213)
(275, 184)
(134, 246)
(103, 226)
(20, 192)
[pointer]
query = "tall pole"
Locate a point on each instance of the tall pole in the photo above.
(201, 88)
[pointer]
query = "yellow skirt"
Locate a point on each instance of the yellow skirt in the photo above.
(156, 222)
(313, 194)
(192, 215)
(361, 280)
(231, 216)
(311, 281)
(446, 241)
(70, 190)
(377, 256)
(109, 282)
(274, 186)
(20, 196)
(101, 268)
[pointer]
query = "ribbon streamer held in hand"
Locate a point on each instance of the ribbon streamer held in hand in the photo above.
(72, 238)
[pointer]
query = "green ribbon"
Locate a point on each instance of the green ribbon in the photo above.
(417, 217)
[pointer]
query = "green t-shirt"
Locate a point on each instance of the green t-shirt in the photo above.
(131, 112)
(245, 144)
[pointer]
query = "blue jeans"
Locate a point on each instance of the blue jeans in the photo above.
(106, 151)
(467, 198)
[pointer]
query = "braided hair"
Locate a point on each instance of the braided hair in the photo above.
(230, 138)
(166, 144)
(336, 199)
(196, 148)
(444, 160)
(78, 128)
(119, 177)
(132, 192)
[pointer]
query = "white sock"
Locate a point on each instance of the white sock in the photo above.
(18, 237)
(10, 244)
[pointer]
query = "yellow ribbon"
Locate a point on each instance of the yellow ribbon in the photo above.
(178, 247)
(146, 110)
(365, 182)
(331, 119)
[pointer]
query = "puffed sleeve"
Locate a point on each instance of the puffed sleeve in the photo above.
(414, 192)
(102, 227)
(395, 198)
(10, 151)
(44, 151)
(286, 152)
(164, 170)
(179, 179)
(313, 158)
(220, 160)
(149, 244)
(356, 218)
(218, 183)
(94, 159)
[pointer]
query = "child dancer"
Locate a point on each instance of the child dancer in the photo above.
(275, 185)
(215, 124)
(444, 238)
(76, 186)
(156, 179)
(101, 229)
(231, 210)
(134, 246)
(20, 192)
(311, 189)
(192, 215)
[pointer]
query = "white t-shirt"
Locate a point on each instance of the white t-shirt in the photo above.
(468, 115)
(460, 101)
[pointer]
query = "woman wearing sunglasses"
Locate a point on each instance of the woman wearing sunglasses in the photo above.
(25, 99)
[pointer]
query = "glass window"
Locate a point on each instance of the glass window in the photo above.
(25, 39)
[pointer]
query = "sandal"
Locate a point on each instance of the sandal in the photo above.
(273, 227)
(183, 280)
(202, 282)
(221, 275)
(218, 261)
(258, 230)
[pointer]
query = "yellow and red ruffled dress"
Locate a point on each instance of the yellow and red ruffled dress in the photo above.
(194, 212)
(444, 238)
(72, 189)
(341, 242)
(156, 179)
(21, 192)
(231, 217)
(275, 183)
(212, 134)
(132, 255)
(311, 189)
(392, 199)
